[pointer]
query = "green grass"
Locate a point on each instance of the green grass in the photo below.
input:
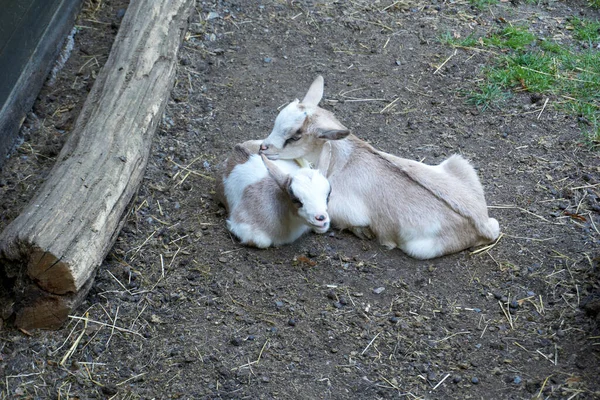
(586, 30)
(512, 37)
(469, 41)
(481, 4)
(489, 95)
(568, 74)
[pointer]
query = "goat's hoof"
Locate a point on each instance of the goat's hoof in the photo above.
(363, 232)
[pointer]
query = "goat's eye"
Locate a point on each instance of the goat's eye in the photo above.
(294, 138)
(297, 202)
(328, 196)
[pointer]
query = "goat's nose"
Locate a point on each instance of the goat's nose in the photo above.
(264, 146)
(320, 217)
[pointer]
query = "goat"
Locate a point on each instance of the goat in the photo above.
(427, 211)
(271, 203)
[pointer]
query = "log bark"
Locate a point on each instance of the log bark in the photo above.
(49, 254)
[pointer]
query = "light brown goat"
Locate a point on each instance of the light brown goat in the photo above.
(427, 211)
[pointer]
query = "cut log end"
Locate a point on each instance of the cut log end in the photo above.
(50, 273)
(46, 269)
(47, 313)
(38, 309)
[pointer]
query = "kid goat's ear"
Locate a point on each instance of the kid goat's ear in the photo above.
(324, 159)
(280, 177)
(315, 92)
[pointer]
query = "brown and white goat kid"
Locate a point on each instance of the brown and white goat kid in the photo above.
(271, 203)
(427, 211)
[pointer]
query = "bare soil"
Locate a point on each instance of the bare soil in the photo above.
(180, 309)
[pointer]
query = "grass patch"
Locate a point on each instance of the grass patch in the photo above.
(488, 95)
(469, 41)
(511, 37)
(481, 4)
(568, 74)
(586, 30)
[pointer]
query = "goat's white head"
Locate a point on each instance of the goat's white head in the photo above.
(301, 128)
(309, 192)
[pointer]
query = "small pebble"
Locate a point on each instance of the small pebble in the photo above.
(530, 293)
(250, 337)
(212, 15)
(292, 322)
(236, 341)
(312, 253)
(394, 320)
(278, 304)
(514, 304)
(378, 290)
(457, 378)
(110, 389)
(267, 59)
(517, 380)
(474, 380)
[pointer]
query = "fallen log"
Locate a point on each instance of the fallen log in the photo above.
(49, 254)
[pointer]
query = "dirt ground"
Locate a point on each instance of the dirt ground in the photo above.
(180, 310)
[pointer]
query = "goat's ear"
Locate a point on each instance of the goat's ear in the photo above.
(333, 134)
(327, 127)
(315, 92)
(240, 154)
(324, 159)
(280, 177)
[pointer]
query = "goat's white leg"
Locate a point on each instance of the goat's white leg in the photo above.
(492, 232)
(423, 248)
(249, 235)
(494, 227)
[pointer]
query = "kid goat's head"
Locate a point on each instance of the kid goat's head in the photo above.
(302, 127)
(309, 192)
